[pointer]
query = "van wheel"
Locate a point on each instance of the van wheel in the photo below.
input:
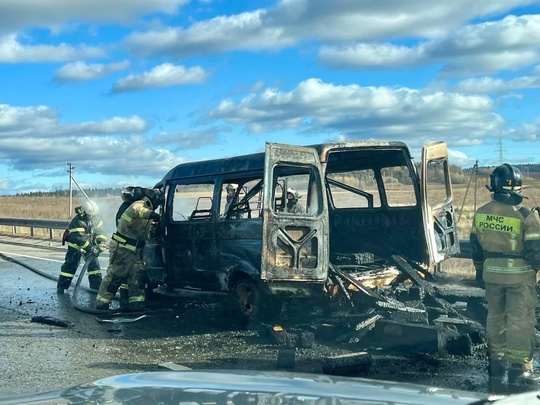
(247, 298)
(252, 304)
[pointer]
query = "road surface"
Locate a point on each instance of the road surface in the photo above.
(195, 331)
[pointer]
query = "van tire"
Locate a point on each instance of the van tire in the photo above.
(252, 304)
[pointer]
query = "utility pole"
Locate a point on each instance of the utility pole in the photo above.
(475, 169)
(70, 171)
(474, 174)
(501, 157)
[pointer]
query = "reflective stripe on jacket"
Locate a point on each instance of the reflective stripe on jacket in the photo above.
(82, 229)
(134, 225)
(504, 233)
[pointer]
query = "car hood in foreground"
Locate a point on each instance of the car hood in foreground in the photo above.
(247, 387)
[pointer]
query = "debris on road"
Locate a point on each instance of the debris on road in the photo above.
(49, 320)
(348, 363)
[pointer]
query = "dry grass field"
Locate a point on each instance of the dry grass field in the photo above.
(466, 197)
(49, 207)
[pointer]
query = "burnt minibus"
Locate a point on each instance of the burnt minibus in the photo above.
(227, 227)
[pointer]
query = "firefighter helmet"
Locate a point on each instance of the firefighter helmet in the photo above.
(132, 193)
(292, 194)
(505, 179)
(90, 208)
(155, 196)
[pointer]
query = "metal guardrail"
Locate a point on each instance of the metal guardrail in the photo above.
(49, 224)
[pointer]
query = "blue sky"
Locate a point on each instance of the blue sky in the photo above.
(126, 89)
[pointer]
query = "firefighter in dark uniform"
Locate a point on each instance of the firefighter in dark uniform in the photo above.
(125, 251)
(505, 241)
(84, 238)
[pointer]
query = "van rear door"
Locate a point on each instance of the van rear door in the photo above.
(295, 244)
(439, 222)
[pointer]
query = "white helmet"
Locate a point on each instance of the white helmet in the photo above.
(293, 194)
(90, 208)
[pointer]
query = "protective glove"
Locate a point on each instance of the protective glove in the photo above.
(95, 250)
(99, 239)
(154, 216)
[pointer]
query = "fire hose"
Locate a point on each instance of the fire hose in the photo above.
(76, 289)
(74, 297)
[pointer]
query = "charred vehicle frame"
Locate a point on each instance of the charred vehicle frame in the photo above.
(372, 218)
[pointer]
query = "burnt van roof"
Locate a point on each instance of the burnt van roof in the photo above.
(243, 163)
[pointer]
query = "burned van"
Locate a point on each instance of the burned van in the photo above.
(281, 224)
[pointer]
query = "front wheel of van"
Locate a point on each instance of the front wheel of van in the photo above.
(251, 302)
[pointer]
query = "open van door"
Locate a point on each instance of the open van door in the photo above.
(440, 226)
(295, 250)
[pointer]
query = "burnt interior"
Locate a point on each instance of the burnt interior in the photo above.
(374, 233)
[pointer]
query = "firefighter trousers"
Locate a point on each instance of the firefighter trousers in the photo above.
(124, 265)
(69, 268)
(511, 321)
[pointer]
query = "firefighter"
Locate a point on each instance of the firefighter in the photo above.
(84, 238)
(231, 191)
(505, 241)
(293, 206)
(129, 196)
(125, 251)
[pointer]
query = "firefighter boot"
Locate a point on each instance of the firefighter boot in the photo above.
(102, 307)
(518, 377)
(137, 306)
(496, 371)
(124, 298)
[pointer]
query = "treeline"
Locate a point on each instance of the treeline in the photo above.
(525, 168)
(94, 192)
(458, 175)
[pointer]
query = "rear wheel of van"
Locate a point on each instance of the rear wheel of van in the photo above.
(252, 304)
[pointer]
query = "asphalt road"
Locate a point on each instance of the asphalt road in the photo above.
(197, 331)
(193, 330)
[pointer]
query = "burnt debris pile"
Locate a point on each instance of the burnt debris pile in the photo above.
(396, 307)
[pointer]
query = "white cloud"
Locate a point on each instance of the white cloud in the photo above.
(508, 44)
(13, 51)
(366, 56)
(366, 112)
(43, 121)
(344, 20)
(459, 158)
(18, 15)
(115, 125)
(82, 71)
(496, 85)
(294, 21)
(242, 31)
(525, 132)
(107, 155)
(161, 76)
(6, 184)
